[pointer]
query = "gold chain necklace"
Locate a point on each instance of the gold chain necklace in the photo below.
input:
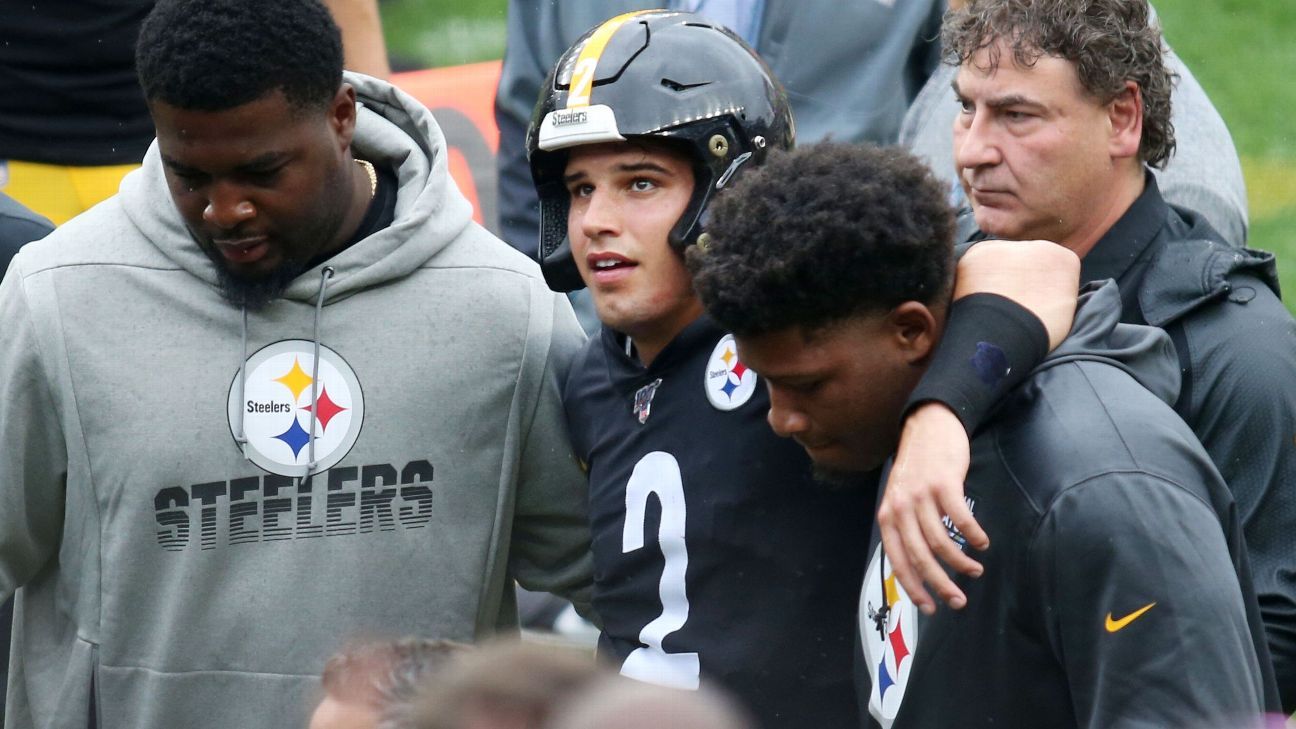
(373, 176)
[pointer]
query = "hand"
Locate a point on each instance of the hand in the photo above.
(926, 483)
(1041, 276)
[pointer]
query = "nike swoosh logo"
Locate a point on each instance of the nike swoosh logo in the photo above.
(1115, 625)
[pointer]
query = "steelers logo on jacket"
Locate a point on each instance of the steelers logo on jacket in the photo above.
(729, 383)
(285, 399)
(888, 625)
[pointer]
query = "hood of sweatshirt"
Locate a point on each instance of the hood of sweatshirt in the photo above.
(1097, 334)
(430, 210)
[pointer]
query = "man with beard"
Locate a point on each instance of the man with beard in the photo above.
(1116, 591)
(279, 392)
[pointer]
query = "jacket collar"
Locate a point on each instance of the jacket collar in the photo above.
(1187, 263)
(1129, 238)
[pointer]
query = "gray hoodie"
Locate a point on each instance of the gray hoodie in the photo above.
(187, 585)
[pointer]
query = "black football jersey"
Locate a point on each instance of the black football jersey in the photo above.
(717, 556)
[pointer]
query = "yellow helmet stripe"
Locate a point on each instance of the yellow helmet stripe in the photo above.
(582, 83)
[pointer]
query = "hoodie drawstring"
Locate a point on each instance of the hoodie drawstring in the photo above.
(240, 433)
(325, 275)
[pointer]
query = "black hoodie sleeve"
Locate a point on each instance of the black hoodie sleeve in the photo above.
(1142, 606)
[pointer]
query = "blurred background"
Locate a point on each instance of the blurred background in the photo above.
(1240, 50)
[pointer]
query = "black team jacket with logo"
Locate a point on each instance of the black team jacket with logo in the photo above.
(1116, 590)
(762, 565)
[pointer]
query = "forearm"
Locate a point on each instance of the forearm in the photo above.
(362, 36)
(1042, 277)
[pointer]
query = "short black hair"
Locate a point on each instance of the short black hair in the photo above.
(213, 55)
(823, 233)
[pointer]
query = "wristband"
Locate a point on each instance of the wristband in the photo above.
(990, 345)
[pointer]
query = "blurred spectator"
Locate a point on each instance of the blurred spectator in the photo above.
(374, 685)
(18, 226)
(72, 117)
(623, 704)
(363, 47)
(506, 685)
(1203, 175)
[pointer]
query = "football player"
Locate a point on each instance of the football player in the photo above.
(717, 555)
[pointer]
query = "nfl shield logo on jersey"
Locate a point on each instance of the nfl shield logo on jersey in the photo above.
(643, 400)
(728, 382)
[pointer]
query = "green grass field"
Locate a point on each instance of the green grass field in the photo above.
(429, 33)
(1240, 51)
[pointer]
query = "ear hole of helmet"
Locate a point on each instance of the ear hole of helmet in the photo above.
(711, 171)
(553, 217)
(556, 262)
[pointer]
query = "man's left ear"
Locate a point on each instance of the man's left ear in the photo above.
(914, 331)
(342, 114)
(1125, 115)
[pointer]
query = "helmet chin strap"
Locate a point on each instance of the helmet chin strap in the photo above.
(739, 161)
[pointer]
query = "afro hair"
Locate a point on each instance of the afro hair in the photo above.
(822, 233)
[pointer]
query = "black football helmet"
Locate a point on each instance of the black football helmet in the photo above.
(658, 74)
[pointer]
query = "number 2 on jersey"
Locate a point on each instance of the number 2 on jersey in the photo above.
(659, 473)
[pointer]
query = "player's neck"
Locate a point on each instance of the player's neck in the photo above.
(648, 343)
(1106, 212)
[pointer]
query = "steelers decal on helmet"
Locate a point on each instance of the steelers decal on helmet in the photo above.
(888, 625)
(580, 122)
(284, 400)
(729, 383)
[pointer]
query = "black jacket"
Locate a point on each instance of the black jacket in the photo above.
(1236, 345)
(1116, 591)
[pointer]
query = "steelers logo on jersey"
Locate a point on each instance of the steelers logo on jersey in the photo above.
(728, 382)
(888, 625)
(292, 411)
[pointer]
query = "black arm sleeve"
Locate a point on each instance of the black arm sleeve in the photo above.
(989, 346)
(1142, 606)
